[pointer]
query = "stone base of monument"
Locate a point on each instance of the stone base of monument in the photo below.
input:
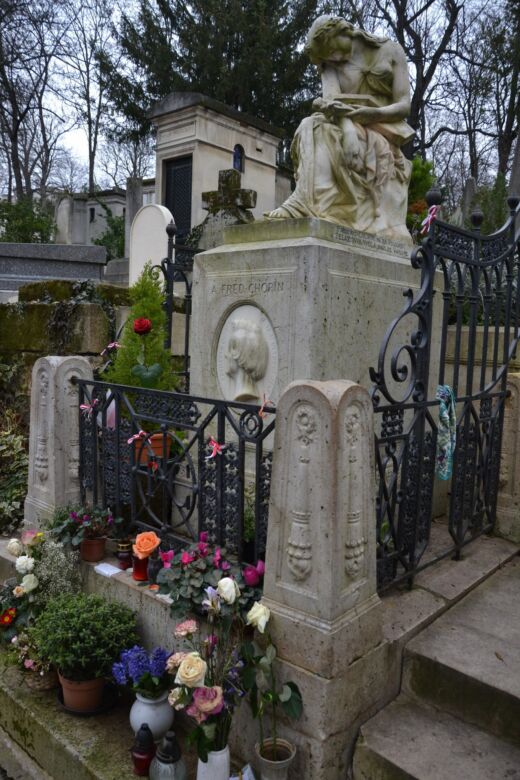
(318, 299)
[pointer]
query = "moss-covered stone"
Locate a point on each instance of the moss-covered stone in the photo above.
(36, 328)
(47, 291)
(111, 293)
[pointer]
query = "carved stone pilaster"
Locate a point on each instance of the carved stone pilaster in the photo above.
(54, 436)
(299, 547)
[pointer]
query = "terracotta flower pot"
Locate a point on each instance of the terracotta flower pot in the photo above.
(92, 550)
(85, 696)
(274, 767)
(155, 441)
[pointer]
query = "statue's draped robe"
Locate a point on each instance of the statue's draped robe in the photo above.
(372, 198)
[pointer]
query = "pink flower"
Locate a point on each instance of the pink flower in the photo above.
(203, 549)
(28, 536)
(167, 558)
(217, 558)
(251, 576)
(186, 628)
(209, 701)
(187, 558)
(194, 712)
(203, 537)
(225, 566)
(175, 660)
(28, 663)
(260, 567)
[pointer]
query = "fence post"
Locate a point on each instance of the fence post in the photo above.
(54, 436)
(320, 581)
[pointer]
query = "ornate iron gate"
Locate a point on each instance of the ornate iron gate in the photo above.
(464, 336)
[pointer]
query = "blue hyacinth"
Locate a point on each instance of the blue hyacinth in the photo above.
(135, 663)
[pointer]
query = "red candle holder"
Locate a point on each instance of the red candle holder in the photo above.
(140, 568)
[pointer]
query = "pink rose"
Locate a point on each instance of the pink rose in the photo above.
(194, 712)
(187, 558)
(167, 558)
(251, 576)
(209, 701)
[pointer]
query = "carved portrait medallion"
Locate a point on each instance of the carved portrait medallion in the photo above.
(247, 356)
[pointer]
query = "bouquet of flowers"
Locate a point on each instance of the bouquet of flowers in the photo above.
(147, 672)
(44, 569)
(207, 672)
(187, 575)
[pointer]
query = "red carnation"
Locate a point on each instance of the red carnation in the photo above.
(142, 326)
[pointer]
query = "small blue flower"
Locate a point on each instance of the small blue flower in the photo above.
(158, 659)
(119, 673)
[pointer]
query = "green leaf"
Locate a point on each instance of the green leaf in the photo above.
(270, 653)
(293, 707)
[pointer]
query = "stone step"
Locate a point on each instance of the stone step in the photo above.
(468, 661)
(408, 740)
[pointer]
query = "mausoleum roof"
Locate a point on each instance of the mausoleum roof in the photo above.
(177, 101)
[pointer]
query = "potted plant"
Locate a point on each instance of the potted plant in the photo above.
(266, 696)
(82, 635)
(207, 676)
(86, 527)
(148, 674)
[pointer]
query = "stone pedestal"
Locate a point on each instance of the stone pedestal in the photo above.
(508, 501)
(320, 581)
(318, 299)
(54, 436)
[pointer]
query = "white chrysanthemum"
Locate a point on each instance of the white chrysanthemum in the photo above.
(24, 564)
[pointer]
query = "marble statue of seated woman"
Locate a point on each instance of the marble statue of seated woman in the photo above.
(349, 167)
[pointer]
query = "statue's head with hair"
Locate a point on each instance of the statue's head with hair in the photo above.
(248, 347)
(325, 32)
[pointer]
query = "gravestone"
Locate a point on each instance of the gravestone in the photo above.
(54, 436)
(148, 239)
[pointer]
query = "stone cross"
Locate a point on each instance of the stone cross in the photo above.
(229, 196)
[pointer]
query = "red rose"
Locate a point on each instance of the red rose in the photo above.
(142, 326)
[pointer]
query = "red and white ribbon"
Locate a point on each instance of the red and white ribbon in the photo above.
(429, 219)
(265, 402)
(109, 347)
(216, 448)
(87, 409)
(136, 436)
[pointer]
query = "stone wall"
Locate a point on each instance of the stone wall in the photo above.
(22, 263)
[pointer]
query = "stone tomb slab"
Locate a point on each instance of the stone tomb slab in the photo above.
(322, 297)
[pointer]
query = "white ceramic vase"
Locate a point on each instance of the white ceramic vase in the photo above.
(158, 713)
(217, 767)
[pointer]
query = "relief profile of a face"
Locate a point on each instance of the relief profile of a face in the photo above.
(246, 356)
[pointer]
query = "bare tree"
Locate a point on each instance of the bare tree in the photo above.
(120, 160)
(88, 39)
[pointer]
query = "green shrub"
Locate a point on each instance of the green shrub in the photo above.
(26, 222)
(82, 635)
(113, 239)
(147, 302)
(14, 465)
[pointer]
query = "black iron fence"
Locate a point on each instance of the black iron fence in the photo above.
(461, 337)
(178, 464)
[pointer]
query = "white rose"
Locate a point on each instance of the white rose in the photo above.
(258, 616)
(24, 564)
(174, 697)
(14, 547)
(30, 582)
(228, 590)
(192, 671)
